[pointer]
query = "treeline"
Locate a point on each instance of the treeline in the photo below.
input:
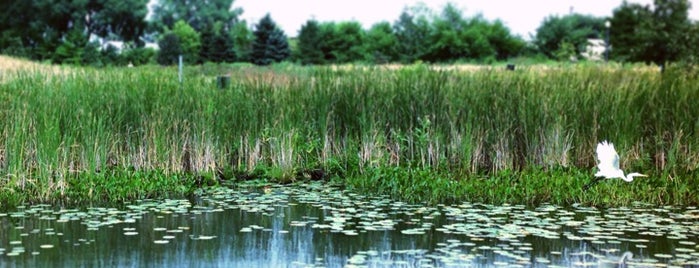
(121, 32)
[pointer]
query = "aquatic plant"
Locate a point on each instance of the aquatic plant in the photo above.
(413, 132)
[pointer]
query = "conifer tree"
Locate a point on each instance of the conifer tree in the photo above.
(270, 44)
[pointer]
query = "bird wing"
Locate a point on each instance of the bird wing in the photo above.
(607, 156)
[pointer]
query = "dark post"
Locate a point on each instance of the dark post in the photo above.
(223, 81)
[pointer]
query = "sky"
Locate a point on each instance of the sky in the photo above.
(521, 17)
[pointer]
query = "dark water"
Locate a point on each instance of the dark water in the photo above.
(321, 226)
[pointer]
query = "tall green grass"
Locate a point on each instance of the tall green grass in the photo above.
(117, 134)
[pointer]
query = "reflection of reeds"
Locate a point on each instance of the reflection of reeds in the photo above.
(465, 122)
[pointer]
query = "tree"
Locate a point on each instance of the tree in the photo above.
(451, 37)
(348, 45)
(170, 49)
(629, 28)
(309, 43)
(189, 40)
(216, 44)
(43, 25)
(454, 37)
(662, 34)
(574, 29)
(76, 50)
(195, 13)
(328, 36)
(242, 40)
(381, 43)
(506, 45)
(118, 19)
(412, 30)
(270, 43)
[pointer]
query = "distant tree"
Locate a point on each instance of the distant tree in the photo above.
(216, 44)
(170, 49)
(505, 43)
(412, 30)
(189, 40)
(574, 29)
(328, 36)
(138, 55)
(77, 50)
(630, 27)
(382, 43)
(309, 43)
(17, 37)
(118, 19)
(242, 40)
(43, 25)
(270, 44)
(452, 37)
(195, 13)
(662, 34)
(671, 25)
(348, 45)
(110, 56)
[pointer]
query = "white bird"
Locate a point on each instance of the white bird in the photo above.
(609, 165)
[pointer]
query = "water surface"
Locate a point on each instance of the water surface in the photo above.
(315, 225)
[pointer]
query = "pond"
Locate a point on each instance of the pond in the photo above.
(317, 225)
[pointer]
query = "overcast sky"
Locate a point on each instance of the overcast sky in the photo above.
(522, 17)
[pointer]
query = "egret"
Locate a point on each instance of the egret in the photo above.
(609, 165)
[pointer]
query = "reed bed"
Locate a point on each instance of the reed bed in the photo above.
(416, 132)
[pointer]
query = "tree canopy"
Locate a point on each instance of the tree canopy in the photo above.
(270, 43)
(655, 34)
(93, 31)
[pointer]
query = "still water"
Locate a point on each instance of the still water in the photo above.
(315, 225)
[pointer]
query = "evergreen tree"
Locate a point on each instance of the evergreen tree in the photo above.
(170, 49)
(216, 44)
(270, 44)
(309, 41)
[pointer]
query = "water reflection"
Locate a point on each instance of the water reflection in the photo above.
(321, 226)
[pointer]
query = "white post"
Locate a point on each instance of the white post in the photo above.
(180, 58)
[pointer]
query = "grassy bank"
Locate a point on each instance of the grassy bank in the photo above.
(415, 133)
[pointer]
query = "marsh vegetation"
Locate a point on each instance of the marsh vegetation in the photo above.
(417, 133)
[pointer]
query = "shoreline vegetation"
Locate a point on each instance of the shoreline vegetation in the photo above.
(417, 133)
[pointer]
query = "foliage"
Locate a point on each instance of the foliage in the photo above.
(138, 56)
(197, 14)
(217, 44)
(190, 42)
(347, 42)
(659, 35)
(572, 29)
(76, 50)
(242, 40)
(412, 29)
(45, 24)
(381, 43)
(309, 43)
(170, 49)
(270, 44)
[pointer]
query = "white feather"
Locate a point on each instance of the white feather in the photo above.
(609, 163)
